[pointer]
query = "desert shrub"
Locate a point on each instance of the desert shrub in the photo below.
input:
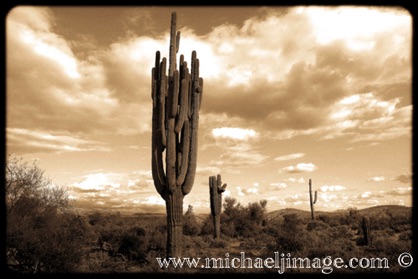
(157, 239)
(43, 234)
(132, 243)
(291, 236)
(352, 218)
(242, 221)
(191, 225)
(134, 246)
(137, 231)
(95, 218)
(324, 218)
(98, 262)
(206, 228)
(405, 235)
(316, 225)
(219, 243)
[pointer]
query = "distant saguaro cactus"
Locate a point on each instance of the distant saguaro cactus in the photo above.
(216, 189)
(312, 200)
(365, 226)
(176, 100)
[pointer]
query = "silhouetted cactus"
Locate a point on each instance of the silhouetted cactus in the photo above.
(312, 200)
(216, 189)
(365, 226)
(176, 100)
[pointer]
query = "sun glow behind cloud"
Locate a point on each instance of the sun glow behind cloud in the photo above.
(356, 25)
(96, 181)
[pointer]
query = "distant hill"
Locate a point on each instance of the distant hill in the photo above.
(390, 208)
(158, 211)
(365, 211)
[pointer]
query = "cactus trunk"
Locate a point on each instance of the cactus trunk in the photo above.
(216, 226)
(312, 200)
(174, 209)
(216, 189)
(176, 100)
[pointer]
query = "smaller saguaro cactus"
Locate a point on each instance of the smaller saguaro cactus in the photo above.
(312, 200)
(216, 189)
(365, 226)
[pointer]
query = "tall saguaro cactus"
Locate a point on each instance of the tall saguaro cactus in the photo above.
(312, 200)
(176, 100)
(216, 189)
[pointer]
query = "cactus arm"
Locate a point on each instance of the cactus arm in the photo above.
(171, 156)
(157, 147)
(173, 45)
(194, 126)
(158, 170)
(219, 194)
(185, 146)
(155, 75)
(192, 161)
(161, 99)
(218, 182)
(315, 197)
(201, 91)
(184, 97)
(178, 41)
(173, 96)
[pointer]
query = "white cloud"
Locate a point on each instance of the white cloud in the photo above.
(45, 141)
(239, 191)
(336, 24)
(234, 133)
(251, 190)
(376, 179)
(401, 191)
(367, 117)
(325, 197)
(208, 170)
(293, 179)
(279, 185)
(153, 200)
(366, 195)
(332, 188)
(97, 181)
(301, 167)
(289, 157)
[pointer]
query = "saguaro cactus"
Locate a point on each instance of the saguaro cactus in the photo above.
(312, 200)
(365, 226)
(176, 100)
(216, 189)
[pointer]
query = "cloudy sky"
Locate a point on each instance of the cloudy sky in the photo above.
(290, 94)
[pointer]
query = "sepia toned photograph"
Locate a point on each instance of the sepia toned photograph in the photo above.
(224, 140)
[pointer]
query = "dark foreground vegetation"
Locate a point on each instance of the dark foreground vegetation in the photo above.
(45, 234)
